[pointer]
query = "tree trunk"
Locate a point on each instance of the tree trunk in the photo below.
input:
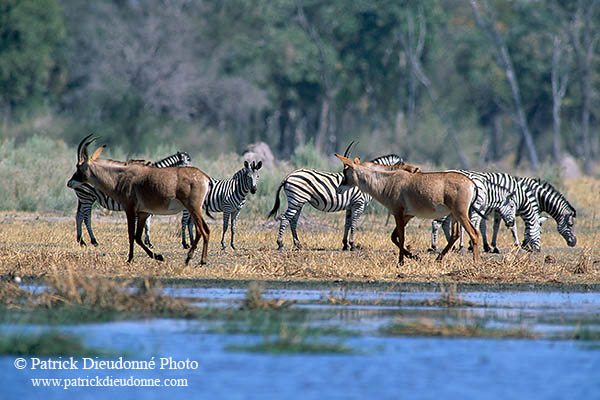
(489, 26)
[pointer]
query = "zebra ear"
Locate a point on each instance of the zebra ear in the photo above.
(246, 164)
(258, 165)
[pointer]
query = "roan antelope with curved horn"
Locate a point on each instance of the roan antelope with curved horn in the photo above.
(142, 189)
(407, 194)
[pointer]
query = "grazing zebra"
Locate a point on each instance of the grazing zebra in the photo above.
(551, 201)
(87, 195)
(525, 204)
(227, 196)
(318, 188)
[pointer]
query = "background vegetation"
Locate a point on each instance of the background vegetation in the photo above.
(486, 84)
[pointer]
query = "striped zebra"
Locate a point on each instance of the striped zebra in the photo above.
(227, 196)
(525, 205)
(318, 188)
(552, 202)
(87, 195)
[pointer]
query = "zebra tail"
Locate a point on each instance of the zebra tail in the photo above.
(473, 208)
(208, 213)
(276, 205)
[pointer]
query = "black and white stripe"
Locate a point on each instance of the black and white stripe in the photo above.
(318, 188)
(524, 199)
(228, 196)
(87, 195)
(552, 202)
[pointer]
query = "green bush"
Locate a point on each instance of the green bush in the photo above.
(33, 175)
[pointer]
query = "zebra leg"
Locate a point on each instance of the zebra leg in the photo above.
(190, 226)
(184, 223)
(226, 215)
(87, 219)
(435, 225)
(78, 221)
(346, 229)
(293, 224)
(495, 233)
(234, 217)
(147, 232)
(284, 222)
(483, 231)
(354, 215)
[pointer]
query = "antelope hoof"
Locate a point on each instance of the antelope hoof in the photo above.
(495, 250)
(150, 246)
(298, 246)
(345, 247)
(355, 248)
(82, 243)
(432, 250)
(159, 257)
(95, 243)
(186, 246)
(233, 247)
(223, 246)
(486, 248)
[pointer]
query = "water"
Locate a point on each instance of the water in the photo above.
(381, 367)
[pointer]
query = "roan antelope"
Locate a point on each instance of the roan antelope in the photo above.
(408, 194)
(142, 189)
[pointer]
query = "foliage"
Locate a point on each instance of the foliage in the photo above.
(31, 68)
(46, 344)
(305, 77)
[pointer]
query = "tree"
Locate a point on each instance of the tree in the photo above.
(489, 25)
(31, 32)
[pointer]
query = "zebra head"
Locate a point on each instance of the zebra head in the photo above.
(508, 210)
(250, 175)
(184, 158)
(566, 227)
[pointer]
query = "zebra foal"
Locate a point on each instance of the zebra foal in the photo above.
(227, 196)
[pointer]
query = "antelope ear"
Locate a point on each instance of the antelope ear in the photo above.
(356, 161)
(97, 153)
(345, 160)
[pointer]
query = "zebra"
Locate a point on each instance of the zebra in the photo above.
(501, 184)
(318, 188)
(87, 195)
(227, 196)
(551, 201)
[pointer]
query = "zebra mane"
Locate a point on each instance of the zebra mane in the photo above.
(548, 186)
(392, 159)
(239, 173)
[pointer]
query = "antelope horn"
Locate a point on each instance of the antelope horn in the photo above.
(80, 145)
(347, 152)
(84, 149)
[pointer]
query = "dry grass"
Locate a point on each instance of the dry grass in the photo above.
(76, 294)
(42, 245)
